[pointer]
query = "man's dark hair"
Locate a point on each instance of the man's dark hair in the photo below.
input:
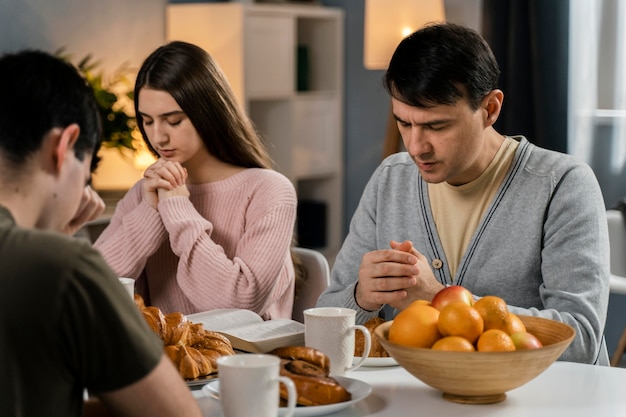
(440, 64)
(41, 92)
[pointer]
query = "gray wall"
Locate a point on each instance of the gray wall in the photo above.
(115, 32)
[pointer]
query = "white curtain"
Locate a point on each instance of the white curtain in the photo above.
(597, 79)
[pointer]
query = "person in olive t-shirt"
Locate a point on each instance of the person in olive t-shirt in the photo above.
(66, 323)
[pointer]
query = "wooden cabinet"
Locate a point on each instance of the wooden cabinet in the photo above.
(285, 64)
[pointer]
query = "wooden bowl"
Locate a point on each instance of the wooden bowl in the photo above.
(482, 377)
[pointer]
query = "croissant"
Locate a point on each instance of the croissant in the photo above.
(176, 329)
(192, 349)
(155, 319)
(190, 362)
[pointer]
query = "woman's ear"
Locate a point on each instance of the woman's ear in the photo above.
(64, 144)
(492, 103)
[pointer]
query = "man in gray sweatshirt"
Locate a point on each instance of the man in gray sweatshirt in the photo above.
(466, 205)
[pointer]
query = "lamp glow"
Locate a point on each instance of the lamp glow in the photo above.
(387, 22)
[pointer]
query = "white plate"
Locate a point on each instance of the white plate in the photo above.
(376, 362)
(358, 389)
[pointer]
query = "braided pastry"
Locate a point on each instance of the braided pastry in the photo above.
(308, 369)
(190, 362)
(176, 329)
(192, 349)
(377, 350)
(154, 317)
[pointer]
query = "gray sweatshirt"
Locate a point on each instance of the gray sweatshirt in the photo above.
(542, 245)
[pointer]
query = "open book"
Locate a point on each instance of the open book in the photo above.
(248, 332)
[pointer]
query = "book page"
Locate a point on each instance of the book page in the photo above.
(225, 319)
(267, 330)
(248, 332)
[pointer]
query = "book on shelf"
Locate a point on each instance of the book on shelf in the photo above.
(248, 332)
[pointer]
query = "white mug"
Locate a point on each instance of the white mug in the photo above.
(331, 330)
(248, 386)
(129, 285)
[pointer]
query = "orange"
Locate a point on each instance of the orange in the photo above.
(517, 326)
(494, 340)
(453, 343)
(460, 319)
(415, 326)
(419, 303)
(494, 312)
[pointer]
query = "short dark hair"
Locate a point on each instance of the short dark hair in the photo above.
(191, 76)
(441, 63)
(41, 92)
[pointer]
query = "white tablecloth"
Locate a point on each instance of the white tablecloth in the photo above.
(563, 390)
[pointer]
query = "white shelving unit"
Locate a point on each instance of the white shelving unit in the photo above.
(257, 45)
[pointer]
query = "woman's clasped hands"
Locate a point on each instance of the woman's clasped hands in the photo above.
(164, 179)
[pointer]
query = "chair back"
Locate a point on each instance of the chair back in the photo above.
(316, 280)
(617, 242)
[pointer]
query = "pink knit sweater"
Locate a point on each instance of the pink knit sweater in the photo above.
(226, 246)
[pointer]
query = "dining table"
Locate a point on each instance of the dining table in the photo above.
(564, 389)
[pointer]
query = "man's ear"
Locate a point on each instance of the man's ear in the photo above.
(492, 103)
(64, 144)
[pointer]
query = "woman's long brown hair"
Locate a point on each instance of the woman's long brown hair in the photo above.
(191, 76)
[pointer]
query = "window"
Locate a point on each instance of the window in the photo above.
(597, 84)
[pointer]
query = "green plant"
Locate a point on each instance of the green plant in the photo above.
(114, 94)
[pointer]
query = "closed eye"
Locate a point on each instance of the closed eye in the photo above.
(435, 127)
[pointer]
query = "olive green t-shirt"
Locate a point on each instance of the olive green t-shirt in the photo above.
(66, 324)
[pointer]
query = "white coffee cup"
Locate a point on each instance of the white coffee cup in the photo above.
(331, 330)
(129, 285)
(248, 386)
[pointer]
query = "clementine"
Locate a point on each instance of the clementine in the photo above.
(419, 303)
(454, 344)
(460, 319)
(415, 326)
(494, 340)
(494, 312)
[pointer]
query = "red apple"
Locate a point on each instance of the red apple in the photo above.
(525, 340)
(451, 294)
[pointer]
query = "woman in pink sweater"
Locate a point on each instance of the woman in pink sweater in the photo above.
(210, 225)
